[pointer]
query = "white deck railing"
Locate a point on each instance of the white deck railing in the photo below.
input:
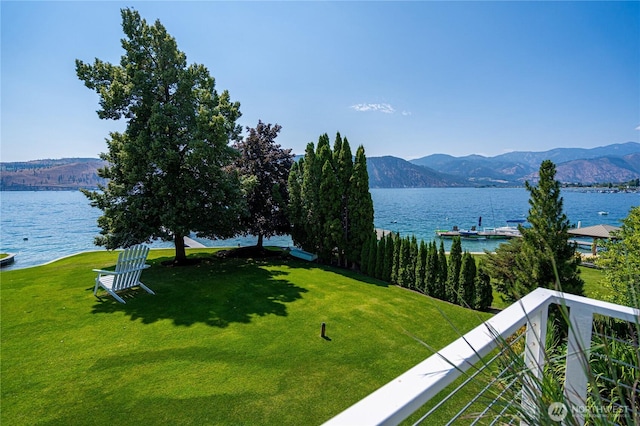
(407, 393)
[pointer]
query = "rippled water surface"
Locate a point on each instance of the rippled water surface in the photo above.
(43, 226)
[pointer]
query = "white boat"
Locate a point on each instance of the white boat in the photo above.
(7, 260)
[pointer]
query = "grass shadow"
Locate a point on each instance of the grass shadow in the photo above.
(215, 291)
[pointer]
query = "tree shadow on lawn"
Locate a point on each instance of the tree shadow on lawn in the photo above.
(216, 292)
(348, 273)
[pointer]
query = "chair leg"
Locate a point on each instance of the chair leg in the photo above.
(115, 296)
(148, 290)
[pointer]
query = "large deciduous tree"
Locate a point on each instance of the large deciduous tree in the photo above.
(267, 165)
(169, 170)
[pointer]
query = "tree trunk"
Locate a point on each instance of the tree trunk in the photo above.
(260, 238)
(181, 254)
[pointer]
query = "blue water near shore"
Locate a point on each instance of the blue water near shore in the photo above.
(43, 226)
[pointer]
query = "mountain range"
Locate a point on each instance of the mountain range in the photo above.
(617, 163)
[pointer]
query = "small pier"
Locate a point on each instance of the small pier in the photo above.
(192, 243)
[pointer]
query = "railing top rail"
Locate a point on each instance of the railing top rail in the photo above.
(405, 394)
(600, 307)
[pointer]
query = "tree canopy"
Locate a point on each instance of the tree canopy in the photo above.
(169, 170)
(267, 165)
(621, 261)
(330, 206)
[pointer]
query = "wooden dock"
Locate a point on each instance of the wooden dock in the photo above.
(192, 243)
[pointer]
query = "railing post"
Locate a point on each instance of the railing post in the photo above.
(578, 349)
(534, 360)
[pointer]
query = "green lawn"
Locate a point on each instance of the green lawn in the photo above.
(226, 342)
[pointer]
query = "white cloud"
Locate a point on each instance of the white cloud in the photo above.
(386, 108)
(406, 113)
(638, 128)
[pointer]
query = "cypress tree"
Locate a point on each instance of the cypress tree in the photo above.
(442, 273)
(310, 199)
(395, 266)
(467, 282)
(381, 250)
(484, 291)
(329, 207)
(344, 170)
(359, 206)
(364, 258)
(421, 267)
(453, 275)
(295, 204)
(373, 246)
(389, 247)
(405, 262)
(331, 210)
(432, 270)
(412, 262)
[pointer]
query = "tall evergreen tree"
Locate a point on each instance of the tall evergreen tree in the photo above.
(359, 206)
(335, 216)
(411, 265)
(329, 203)
(310, 222)
(268, 164)
(295, 210)
(343, 161)
(389, 247)
(432, 271)
(372, 251)
(467, 282)
(381, 250)
(169, 171)
(403, 258)
(453, 274)
(421, 267)
(364, 258)
(397, 254)
(501, 266)
(547, 258)
(484, 291)
(443, 271)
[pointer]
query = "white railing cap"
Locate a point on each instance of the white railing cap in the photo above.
(402, 396)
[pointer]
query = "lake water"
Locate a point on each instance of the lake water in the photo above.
(42, 226)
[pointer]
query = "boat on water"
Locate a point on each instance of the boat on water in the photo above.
(7, 260)
(472, 233)
(500, 233)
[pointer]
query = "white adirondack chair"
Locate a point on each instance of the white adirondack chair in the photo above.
(131, 263)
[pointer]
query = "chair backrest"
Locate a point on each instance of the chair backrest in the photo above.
(131, 262)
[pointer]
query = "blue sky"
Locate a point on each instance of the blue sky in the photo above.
(407, 79)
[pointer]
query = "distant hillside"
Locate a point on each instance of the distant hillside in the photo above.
(618, 163)
(50, 175)
(393, 172)
(611, 163)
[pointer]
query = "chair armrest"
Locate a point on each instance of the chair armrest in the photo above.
(105, 272)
